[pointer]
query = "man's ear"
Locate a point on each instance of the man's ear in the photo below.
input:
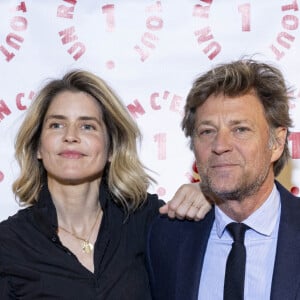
(280, 135)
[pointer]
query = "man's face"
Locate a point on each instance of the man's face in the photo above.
(232, 146)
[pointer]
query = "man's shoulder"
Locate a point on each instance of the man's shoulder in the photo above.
(287, 198)
(172, 244)
(165, 229)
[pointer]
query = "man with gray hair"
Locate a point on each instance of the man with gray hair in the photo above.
(248, 245)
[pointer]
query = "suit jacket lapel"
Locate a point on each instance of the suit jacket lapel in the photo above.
(286, 275)
(194, 238)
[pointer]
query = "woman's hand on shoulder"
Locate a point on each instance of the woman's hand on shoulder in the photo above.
(188, 203)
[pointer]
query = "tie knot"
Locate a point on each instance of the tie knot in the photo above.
(237, 231)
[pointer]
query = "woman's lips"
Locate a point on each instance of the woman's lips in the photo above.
(71, 154)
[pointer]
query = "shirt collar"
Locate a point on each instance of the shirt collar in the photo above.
(263, 220)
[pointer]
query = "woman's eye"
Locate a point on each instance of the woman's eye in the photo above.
(88, 127)
(55, 125)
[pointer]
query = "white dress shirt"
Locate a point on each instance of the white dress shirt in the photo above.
(260, 242)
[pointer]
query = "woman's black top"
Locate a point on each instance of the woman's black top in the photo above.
(35, 265)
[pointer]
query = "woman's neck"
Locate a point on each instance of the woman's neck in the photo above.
(76, 205)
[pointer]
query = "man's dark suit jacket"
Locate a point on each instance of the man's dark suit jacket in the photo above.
(176, 249)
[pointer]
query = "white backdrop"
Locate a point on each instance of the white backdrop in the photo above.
(149, 52)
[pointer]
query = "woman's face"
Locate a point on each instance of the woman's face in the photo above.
(74, 141)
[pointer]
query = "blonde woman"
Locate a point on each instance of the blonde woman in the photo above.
(82, 235)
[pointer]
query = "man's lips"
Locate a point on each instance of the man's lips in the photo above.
(71, 154)
(223, 165)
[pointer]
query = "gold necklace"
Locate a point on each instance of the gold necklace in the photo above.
(86, 245)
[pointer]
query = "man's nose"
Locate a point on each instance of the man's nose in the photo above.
(222, 142)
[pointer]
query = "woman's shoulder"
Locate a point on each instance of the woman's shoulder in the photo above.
(148, 210)
(15, 222)
(151, 203)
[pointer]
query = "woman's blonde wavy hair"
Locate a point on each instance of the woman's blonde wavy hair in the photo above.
(126, 175)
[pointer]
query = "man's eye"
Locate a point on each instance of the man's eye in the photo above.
(205, 132)
(241, 129)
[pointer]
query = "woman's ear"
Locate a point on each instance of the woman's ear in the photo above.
(38, 154)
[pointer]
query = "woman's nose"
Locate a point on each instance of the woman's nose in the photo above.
(71, 135)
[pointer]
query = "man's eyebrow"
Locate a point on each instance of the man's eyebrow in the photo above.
(242, 121)
(231, 122)
(205, 122)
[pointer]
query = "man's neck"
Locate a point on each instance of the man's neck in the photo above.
(240, 210)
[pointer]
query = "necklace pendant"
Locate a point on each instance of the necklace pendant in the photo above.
(87, 247)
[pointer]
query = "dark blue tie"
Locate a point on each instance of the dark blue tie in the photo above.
(236, 262)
